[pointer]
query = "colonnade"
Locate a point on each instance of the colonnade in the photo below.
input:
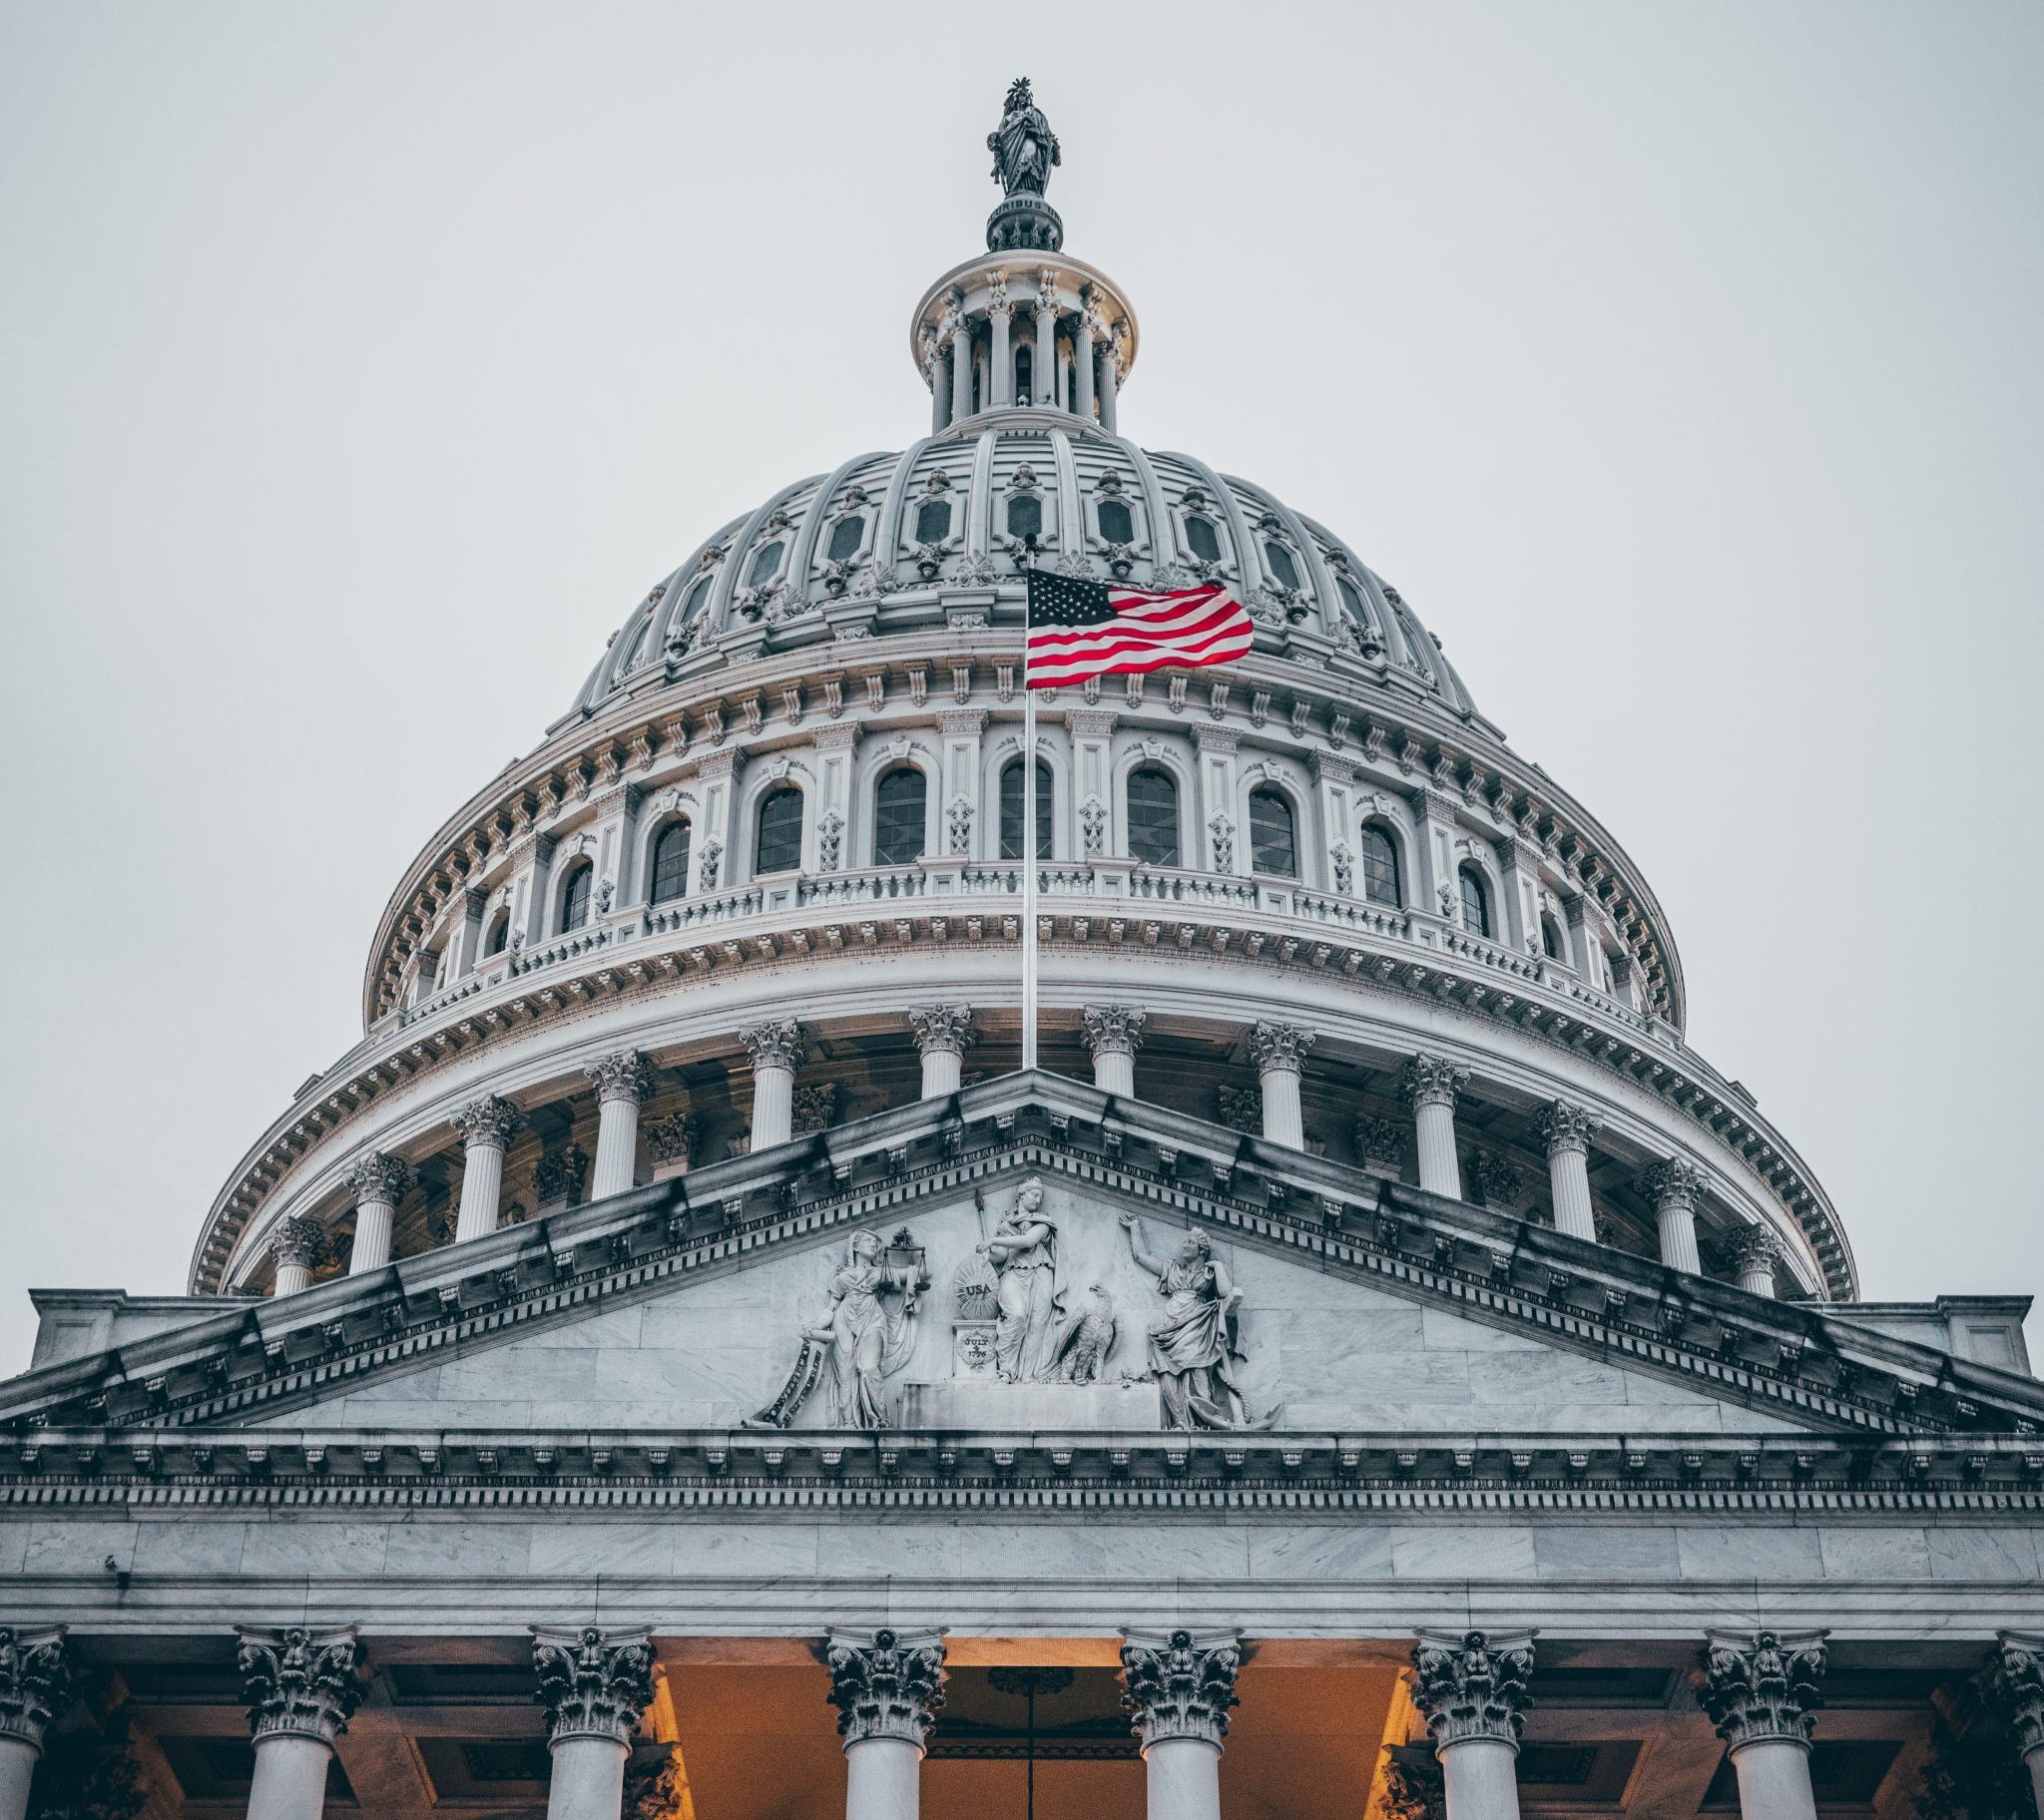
(975, 350)
(943, 1033)
(1760, 1689)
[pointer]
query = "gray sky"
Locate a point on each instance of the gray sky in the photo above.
(360, 364)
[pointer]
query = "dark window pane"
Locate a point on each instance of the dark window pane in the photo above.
(1550, 938)
(575, 904)
(845, 538)
(1025, 515)
(671, 862)
(1153, 817)
(764, 566)
(898, 817)
(1011, 810)
(1273, 846)
(1025, 374)
(500, 934)
(1283, 571)
(1202, 539)
(1351, 600)
(780, 846)
(1116, 525)
(1380, 868)
(1476, 903)
(934, 521)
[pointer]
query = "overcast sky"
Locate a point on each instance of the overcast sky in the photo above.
(361, 365)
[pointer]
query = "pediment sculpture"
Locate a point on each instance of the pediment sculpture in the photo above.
(862, 1335)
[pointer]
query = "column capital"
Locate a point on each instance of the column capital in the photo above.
(2015, 1680)
(1762, 1686)
(300, 1683)
(488, 1121)
(1472, 1685)
(623, 1074)
(592, 1685)
(1430, 1081)
(35, 1681)
(1564, 1126)
(1674, 1181)
(294, 1239)
(1280, 1047)
(1114, 1030)
(1753, 1248)
(379, 1177)
(778, 1043)
(942, 1030)
(1180, 1684)
(885, 1685)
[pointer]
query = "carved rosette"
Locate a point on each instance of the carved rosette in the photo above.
(1762, 1686)
(1564, 1127)
(624, 1075)
(942, 1030)
(1675, 1182)
(300, 1683)
(1181, 1685)
(487, 1123)
(1472, 1686)
(1114, 1030)
(777, 1044)
(35, 1681)
(1281, 1048)
(2015, 1678)
(885, 1685)
(380, 1178)
(592, 1685)
(299, 1240)
(1431, 1081)
(1753, 1248)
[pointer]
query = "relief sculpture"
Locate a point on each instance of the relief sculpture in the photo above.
(856, 1341)
(1194, 1342)
(1023, 1251)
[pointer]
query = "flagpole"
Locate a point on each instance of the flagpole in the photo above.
(1029, 857)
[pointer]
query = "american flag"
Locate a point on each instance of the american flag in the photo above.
(1080, 629)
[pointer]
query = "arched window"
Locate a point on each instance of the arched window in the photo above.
(671, 862)
(1117, 523)
(1283, 571)
(1025, 374)
(1011, 810)
(1380, 868)
(499, 937)
(1153, 816)
(845, 537)
(778, 847)
(1476, 903)
(901, 800)
(637, 648)
(1202, 539)
(1025, 515)
(934, 521)
(575, 899)
(1550, 939)
(1352, 599)
(765, 566)
(1273, 841)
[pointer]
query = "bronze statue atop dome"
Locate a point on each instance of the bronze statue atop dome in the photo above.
(1023, 145)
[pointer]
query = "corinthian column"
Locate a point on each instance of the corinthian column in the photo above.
(35, 1683)
(1431, 1084)
(623, 1080)
(1044, 368)
(777, 1048)
(2016, 1681)
(302, 1686)
(1178, 1690)
(1278, 1051)
(887, 1690)
(1082, 363)
(1566, 1130)
(485, 1126)
(378, 1183)
(961, 366)
(943, 1033)
(1471, 1687)
(1674, 1187)
(1755, 1258)
(594, 1688)
(1000, 315)
(1759, 1688)
(298, 1247)
(1112, 1034)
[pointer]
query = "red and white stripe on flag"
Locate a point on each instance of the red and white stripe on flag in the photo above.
(1183, 629)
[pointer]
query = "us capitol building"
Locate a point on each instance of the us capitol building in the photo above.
(677, 1363)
